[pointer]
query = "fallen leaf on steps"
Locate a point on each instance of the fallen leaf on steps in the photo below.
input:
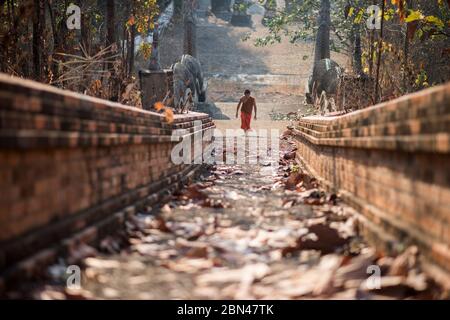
(327, 266)
(80, 252)
(356, 268)
(188, 265)
(253, 271)
(289, 155)
(78, 294)
(160, 224)
(193, 192)
(101, 263)
(392, 286)
(321, 237)
(404, 262)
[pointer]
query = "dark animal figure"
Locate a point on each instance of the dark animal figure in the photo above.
(194, 67)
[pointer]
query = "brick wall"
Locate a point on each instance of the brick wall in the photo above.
(68, 161)
(392, 162)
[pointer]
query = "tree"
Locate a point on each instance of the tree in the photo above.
(190, 35)
(322, 49)
(131, 36)
(111, 22)
(38, 32)
(415, 33)
(357, 50)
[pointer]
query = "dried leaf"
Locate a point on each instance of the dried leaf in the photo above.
(193, 192)
(404, 262)
(78, 294)
(158, 106)
(160, 224)
(327, 239)
(189, 265)
(101, 264)
(80, 252)
(289, 155)
(214, 203)
(126, 94)
(254, 271)
(169, 115)
(357, 267)
(392, 286)
(411, 29)
(294, 179)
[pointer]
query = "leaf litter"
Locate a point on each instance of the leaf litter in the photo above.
(240, 233)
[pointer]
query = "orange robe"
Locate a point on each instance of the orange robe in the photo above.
(246, 118)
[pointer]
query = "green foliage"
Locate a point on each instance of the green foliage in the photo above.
(241, 7)
(300, 22)
(53, 59)
(415, 48)
(295, 168)
(144, 15)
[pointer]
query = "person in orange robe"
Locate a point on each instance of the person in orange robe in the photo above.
(248, 103)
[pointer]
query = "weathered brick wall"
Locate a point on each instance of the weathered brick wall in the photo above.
(68, 161)
(392, 162)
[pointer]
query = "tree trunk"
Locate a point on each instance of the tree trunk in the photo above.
(111, 22)
(178, 7)
(380, 47)
(86, 38)
(357, 50)
(371, 52)
(53, 24)
(55, 39)
(154, 58)
(3, 46)
(190, 35)
(9, 40)
(110, 40)
(62, 30)
(406, 53)
(322, 49)
(131, 48)
(38, 31)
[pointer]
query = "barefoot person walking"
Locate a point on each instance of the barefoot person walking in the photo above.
(248, 103)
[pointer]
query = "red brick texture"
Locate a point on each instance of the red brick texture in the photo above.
(392, 162)
(68, 161)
